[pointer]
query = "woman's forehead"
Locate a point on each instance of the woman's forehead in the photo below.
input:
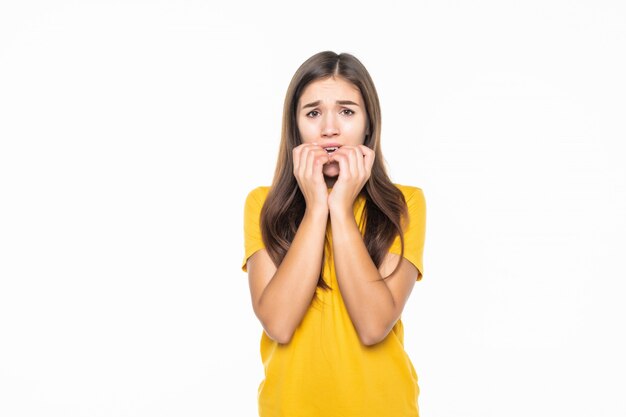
(331, 89)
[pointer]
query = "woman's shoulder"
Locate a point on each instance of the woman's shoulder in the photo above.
(409, 190)
(258, 193)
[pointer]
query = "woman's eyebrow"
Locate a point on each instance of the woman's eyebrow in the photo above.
(346, 102)
(342, 102)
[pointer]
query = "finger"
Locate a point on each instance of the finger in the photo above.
(310, 159)
(360, 163)
(366, 150)
(368, 157)
(344, 168)
(306, 164)
(324, 157)
(319, 165)
(301, 160)
(339, 155)
(316, 155)
(295, 156)
(353, 162)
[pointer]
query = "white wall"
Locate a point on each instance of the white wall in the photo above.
(132, 131)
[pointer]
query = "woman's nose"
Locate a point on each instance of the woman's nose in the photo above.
(330, 126)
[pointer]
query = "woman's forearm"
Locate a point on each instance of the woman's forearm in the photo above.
(289, 293)
(368, 299)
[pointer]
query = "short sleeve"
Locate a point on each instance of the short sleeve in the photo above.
(253, 240)
(415, 231)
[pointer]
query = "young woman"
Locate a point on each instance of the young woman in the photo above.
(332, 251)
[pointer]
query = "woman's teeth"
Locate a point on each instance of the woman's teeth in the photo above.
(331, 149)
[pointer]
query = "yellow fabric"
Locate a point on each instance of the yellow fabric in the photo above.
(325, 370)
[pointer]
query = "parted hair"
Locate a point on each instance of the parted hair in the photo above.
(283, 210)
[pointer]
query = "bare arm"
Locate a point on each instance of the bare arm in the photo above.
(374, 305)
(281, 297)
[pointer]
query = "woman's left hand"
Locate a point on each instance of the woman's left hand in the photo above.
(355, 168)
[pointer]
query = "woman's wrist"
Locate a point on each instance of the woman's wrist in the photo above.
(317, 212)
(341, 213)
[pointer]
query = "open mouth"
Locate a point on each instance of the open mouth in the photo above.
(331, 149)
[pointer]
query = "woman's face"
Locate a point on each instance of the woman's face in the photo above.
(331, 112)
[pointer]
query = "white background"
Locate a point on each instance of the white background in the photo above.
(132, 131)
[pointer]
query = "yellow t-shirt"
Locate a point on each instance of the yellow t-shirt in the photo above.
(325, 371)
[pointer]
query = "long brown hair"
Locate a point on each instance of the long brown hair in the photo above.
(284, 207)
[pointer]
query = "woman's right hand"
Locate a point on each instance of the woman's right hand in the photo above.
(308, 161)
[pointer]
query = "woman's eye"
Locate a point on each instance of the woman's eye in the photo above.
(310, 114)
(349, 112)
